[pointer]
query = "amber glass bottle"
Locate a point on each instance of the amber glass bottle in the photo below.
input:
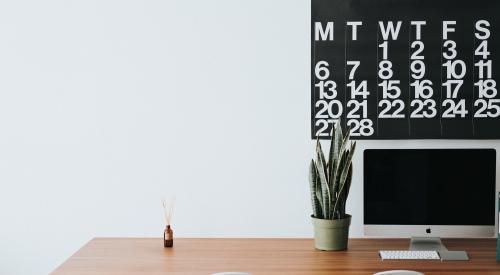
(168, 237)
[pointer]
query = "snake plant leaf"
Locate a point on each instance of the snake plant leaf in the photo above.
(319, 199)
(344, 144)
(319, 194)
(323, 179)
(338, 139)
(341, 157)
(313, 185)
(331, 186)
(331, 155)
(347, 133)
(335, 146)
(340, 211)
(325, 190)
(347, 165)
(331, 164)
(321, 161)
(337, 153)
(344, 174)
(340, 164)
(336, 183)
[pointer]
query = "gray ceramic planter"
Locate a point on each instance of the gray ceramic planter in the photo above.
(331, 234)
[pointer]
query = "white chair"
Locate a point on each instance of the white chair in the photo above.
(399, 272)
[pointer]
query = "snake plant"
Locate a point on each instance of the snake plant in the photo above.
(330, 180)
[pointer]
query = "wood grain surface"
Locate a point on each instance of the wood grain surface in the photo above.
(266, 256)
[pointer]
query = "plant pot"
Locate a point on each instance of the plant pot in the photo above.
(331, 234)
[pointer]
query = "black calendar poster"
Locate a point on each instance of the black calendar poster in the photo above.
(406, 69)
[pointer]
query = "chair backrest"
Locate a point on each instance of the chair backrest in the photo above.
(399, 272)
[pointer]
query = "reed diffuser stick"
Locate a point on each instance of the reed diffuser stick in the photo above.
(168, 234)
(168, 208)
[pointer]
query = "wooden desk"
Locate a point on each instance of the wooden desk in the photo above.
(265, 256)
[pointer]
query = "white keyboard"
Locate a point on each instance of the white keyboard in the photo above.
(408, 255)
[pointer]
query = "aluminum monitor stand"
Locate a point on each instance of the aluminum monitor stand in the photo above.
(433, 243)
(427, 243)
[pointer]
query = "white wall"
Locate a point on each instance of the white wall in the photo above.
(106, 106)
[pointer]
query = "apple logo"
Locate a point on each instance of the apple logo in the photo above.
(428, 231)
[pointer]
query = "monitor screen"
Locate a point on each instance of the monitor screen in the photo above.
(429, 186)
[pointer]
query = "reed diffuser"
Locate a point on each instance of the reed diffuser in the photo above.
(168, 234)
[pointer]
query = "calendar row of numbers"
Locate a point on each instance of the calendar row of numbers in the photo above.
(420, 100)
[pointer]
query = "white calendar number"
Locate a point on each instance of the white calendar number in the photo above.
(452, 87)
(356, 106)
(482, 49)
(390, 89)
(487, 88)
(361, 90)
(451, 49)
(332, 109)
(395, 106)
(418, 69)
(362, 127)
(491, 106)
(384, 47)
(454, 109)
(321, 70)
(355, 65)
(419, 46)
(423, 88)
(452, 69)
(322, 125)
(482, 67)
(385, 69)
(331, 89)
(424, 108)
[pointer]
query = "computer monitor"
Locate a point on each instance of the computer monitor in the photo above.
(429, 192)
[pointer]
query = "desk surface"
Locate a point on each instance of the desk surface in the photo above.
(265, 256)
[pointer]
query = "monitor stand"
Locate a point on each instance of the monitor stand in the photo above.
(433, 243)
(427, 243)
